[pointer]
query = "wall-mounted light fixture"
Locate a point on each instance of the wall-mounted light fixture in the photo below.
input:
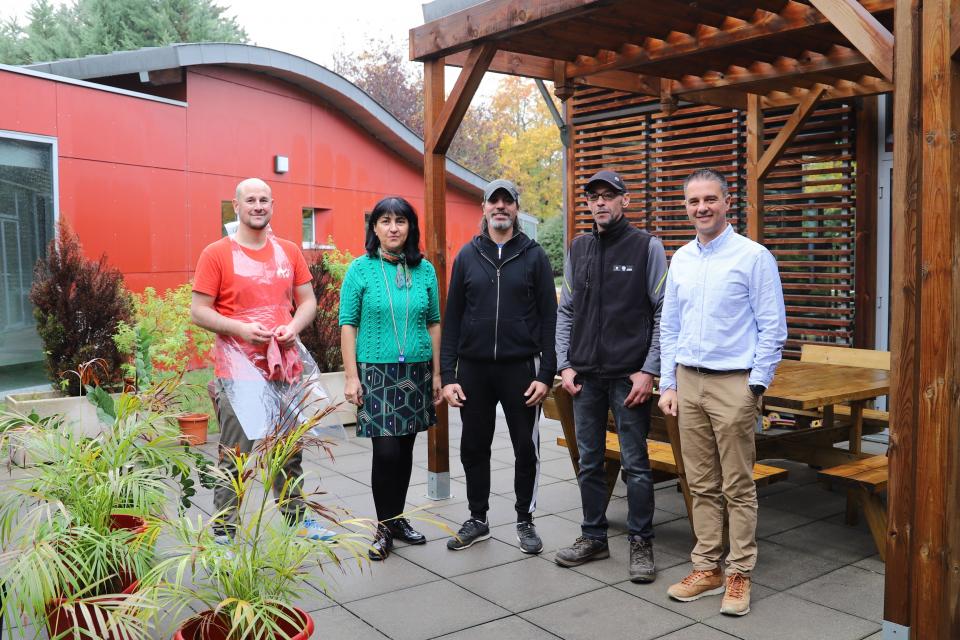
(281, 164)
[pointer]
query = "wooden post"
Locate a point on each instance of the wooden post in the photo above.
(572, 191)
(865, 267)
(435, 238)
(754, 181)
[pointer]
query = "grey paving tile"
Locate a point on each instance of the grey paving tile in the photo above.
(512, 628)
(605, 613)
(698, 610)
(785, 617)
(873, 563)
(875, 636)
(675, 537)
(834, 541)
(338, 623)
(772, 521)
(615, 568)
(812, 501)
(376, 578)
(417, 494)
(340, 485)
(780, 567)
(345, 464)
(669, 499)
(554, 498)
(698, 632)
(434, 556)
(311, 599)
(502, 510)
(851, 589)
(451, 608)
(530, 583)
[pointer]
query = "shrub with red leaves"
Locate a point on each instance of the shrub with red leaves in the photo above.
(77, 305)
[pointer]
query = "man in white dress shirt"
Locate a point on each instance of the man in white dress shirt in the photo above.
(722, 330)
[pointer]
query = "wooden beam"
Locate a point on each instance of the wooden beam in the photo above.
(792, 21)
(435, 239)
(865, 242)
(955, 36)
(863, 31)
(571, 168)
(754, 180)
(450, 117)
(494, 18)
(790, 128)
(510, 63)
(935, 553)
(840, 60)
(843, 90)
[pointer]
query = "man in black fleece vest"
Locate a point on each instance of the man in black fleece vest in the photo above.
(498, 347)
(608, 352)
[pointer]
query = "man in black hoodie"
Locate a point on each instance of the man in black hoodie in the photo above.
(498, 347)
(608, 352)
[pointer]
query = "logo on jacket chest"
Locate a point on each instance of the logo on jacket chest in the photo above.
(623, 268)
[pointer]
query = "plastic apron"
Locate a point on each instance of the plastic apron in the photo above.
(267, 396)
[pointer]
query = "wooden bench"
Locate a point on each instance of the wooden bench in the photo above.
(867, 480)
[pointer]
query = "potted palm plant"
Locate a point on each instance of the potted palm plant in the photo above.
(247, 587)
(79, 521)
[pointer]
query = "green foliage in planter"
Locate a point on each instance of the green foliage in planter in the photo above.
(252, 581)
(78, 304)
(322, 337)
(162, 339)
(55, 515)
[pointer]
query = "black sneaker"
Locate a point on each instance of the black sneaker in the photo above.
(642, 567)
(528, 538)
(382, 544)
(472, 531)
(582, 550)
(401, 530)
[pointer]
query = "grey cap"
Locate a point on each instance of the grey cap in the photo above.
(611, 178)
(506, 185)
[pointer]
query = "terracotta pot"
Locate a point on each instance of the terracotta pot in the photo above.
(194, 428)
(216, 628)
(136, 524)
(61, 620)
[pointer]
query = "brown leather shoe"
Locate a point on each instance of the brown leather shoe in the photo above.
(736, 600)
(697, 584)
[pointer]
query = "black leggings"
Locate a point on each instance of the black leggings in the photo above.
(390, 475)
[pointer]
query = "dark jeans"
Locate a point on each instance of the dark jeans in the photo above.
(590, 407)
(485, 384)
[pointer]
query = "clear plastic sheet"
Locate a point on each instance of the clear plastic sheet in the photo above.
(264, 396)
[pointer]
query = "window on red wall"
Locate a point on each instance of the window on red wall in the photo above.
(317, 227)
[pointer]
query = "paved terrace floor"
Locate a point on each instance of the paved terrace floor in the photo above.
(817, 579)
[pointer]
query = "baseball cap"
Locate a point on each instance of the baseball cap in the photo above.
(612, 178)
(506, 185)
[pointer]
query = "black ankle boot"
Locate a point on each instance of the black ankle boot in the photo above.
(400, 529)
(382, 544)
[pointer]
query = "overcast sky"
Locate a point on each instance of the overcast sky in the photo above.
(314, 29)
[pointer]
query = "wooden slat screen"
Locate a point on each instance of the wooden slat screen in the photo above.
(809, 196)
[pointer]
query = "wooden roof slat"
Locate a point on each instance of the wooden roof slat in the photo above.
(866, 33)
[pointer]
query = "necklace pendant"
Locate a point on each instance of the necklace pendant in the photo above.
(402, 358)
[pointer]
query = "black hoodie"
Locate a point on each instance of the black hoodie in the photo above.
(501, 306)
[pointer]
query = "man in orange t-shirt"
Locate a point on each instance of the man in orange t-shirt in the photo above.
(251, 289)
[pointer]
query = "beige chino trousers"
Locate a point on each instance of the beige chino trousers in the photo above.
(717, 417)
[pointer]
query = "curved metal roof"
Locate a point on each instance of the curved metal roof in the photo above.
(320, 81)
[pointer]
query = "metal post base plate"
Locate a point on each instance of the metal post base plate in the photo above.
(438, 485)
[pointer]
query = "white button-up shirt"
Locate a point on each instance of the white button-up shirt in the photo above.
(722, 309)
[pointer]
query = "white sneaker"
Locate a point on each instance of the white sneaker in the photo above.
(311, 529)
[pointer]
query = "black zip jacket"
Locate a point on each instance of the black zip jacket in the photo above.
(501, 306)
(613, 316)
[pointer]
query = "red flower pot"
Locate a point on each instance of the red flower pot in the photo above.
(193, 426)
(62, 618)
(207, 627)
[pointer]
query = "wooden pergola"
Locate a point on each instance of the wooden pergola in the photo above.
(760, 54)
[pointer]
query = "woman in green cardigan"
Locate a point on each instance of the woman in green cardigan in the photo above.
(390, 338)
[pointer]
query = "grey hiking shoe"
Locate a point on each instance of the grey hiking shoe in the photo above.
(472, 531)
(582, 550)
(642, 567)
(528, 538)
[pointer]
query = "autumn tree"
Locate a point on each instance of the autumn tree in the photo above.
(88, 27)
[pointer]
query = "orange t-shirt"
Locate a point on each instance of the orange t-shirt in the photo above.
(214, 275)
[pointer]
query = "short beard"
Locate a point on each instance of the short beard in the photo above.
(610, 221)
(501, 225)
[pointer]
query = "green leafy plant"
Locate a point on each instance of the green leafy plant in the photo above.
(249, 585)
(78, 304)
(61, 542)
(162, 339)
(322, 337)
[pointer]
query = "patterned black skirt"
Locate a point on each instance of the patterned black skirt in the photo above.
(397, 399)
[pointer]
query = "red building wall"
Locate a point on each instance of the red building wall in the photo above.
(143, 180)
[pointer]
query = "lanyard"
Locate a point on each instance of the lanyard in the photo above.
(393, 316)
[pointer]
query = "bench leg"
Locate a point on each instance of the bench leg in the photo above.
(876, 514)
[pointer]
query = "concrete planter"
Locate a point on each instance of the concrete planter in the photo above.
(346, 413)
(80, 416)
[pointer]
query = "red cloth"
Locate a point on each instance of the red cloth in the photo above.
(283, 364)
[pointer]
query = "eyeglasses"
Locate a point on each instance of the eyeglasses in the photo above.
(608, 196)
